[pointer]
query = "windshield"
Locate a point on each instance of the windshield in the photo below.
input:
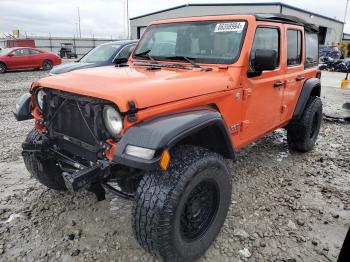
(101, 53)
(203, 42)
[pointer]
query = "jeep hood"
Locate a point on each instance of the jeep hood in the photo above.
(146, 87)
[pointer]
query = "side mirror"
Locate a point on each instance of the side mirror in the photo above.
(265, 60)
(10, 55)
(120, 60)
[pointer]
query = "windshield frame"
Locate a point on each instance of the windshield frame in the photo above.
(159, 58)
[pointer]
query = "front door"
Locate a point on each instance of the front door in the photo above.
(262, 95)
(19, 59)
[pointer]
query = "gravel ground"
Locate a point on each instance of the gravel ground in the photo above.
(286, 206)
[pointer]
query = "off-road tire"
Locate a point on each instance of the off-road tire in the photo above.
(3, 68)
(162, 198)
(47, 65)
(42, 168)
(302, 134)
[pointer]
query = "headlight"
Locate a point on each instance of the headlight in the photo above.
(39, 98)
(113, 120)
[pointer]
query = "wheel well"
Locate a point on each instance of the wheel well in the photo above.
(316, 91)
(212, 138)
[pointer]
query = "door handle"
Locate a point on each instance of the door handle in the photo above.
(278, 84)
(300, 78)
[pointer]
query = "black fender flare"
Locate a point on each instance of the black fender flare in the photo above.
(23, 108)
(312, 87)
(165, 131)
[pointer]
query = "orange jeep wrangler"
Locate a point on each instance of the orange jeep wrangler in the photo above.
(196, 91)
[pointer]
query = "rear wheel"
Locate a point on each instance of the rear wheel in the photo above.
(47, 65)
(3, 68)
(42, 168)
(302, 134)
(178, 214)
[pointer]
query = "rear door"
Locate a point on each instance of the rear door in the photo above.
(19, 59)
(35, 58)
(262, 95)
(294, 75)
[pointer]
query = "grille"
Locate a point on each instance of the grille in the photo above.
(74, 123)
(77, 119)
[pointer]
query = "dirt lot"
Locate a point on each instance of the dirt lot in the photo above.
(286, 206)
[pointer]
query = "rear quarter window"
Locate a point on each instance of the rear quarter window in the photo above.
(311, 50)
(294, 50)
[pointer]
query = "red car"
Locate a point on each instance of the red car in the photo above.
(27, 57)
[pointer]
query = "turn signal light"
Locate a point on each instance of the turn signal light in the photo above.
(165, 160)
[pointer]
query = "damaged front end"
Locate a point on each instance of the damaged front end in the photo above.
(75, 135)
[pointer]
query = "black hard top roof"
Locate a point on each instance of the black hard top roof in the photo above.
(289, 19)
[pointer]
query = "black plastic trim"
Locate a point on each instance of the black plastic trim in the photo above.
(312, 85)
(166, 131)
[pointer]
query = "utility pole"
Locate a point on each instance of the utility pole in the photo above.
(79, 22)
(346, 10)
(127, 19)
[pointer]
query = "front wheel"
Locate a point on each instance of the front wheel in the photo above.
(179, 213)
(47, 65)
(302, 133)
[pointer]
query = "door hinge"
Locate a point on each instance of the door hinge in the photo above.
(245, 124)
(247, 93)
(283, 109)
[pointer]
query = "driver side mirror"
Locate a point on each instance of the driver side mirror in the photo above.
(120, 60)
(265, 60)
(10, 55)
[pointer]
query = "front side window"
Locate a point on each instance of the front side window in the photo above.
(293, 47)
(265, 38)
(20, 52)
(211, 42)
(102, 53)
(311, 50)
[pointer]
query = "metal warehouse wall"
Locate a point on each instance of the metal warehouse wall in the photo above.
(53, 44)
(334, 28)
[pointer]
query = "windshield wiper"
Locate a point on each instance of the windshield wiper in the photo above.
(158, 65)
(147, 55)
(186, 58)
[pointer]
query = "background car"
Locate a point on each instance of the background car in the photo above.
(27, 57)
(106, 54)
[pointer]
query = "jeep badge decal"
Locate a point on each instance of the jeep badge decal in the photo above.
(229, 27)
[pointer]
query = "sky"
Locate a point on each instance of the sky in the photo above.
(107, 18)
